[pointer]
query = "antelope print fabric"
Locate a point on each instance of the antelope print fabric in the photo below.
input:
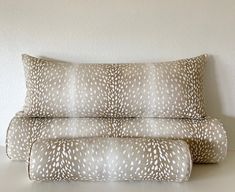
(169, 89)
(110, 159)
(206, 138)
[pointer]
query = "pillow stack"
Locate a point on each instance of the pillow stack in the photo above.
(119, 121)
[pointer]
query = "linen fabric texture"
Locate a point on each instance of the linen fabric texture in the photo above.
(206, 137)
(110, 159)
(169, 89)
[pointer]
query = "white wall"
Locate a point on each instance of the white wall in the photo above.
(119, 31)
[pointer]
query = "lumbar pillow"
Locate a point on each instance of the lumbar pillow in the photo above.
(167, 89)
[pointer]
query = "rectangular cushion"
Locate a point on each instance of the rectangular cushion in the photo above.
(168, 89)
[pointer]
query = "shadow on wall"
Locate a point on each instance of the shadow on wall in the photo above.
(213, 101)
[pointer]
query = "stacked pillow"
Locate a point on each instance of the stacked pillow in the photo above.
(168, 89)
(141, 108)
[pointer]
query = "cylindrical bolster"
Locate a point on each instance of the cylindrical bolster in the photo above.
(110, 159)
(206, 137)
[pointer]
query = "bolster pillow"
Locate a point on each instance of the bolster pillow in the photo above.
(206, 138)
(110, 159)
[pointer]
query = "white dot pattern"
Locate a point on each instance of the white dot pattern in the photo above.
(110, 159)
(98, 122)
(169, 89)
(206, 137)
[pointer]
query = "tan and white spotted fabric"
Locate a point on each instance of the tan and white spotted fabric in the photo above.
(77, 117)
(168, 89)
(206, 138)
(110, 159)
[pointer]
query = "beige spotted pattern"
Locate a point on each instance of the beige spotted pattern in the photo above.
(169, 89)
(110, 159)
(100, 122)
(206, 138)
